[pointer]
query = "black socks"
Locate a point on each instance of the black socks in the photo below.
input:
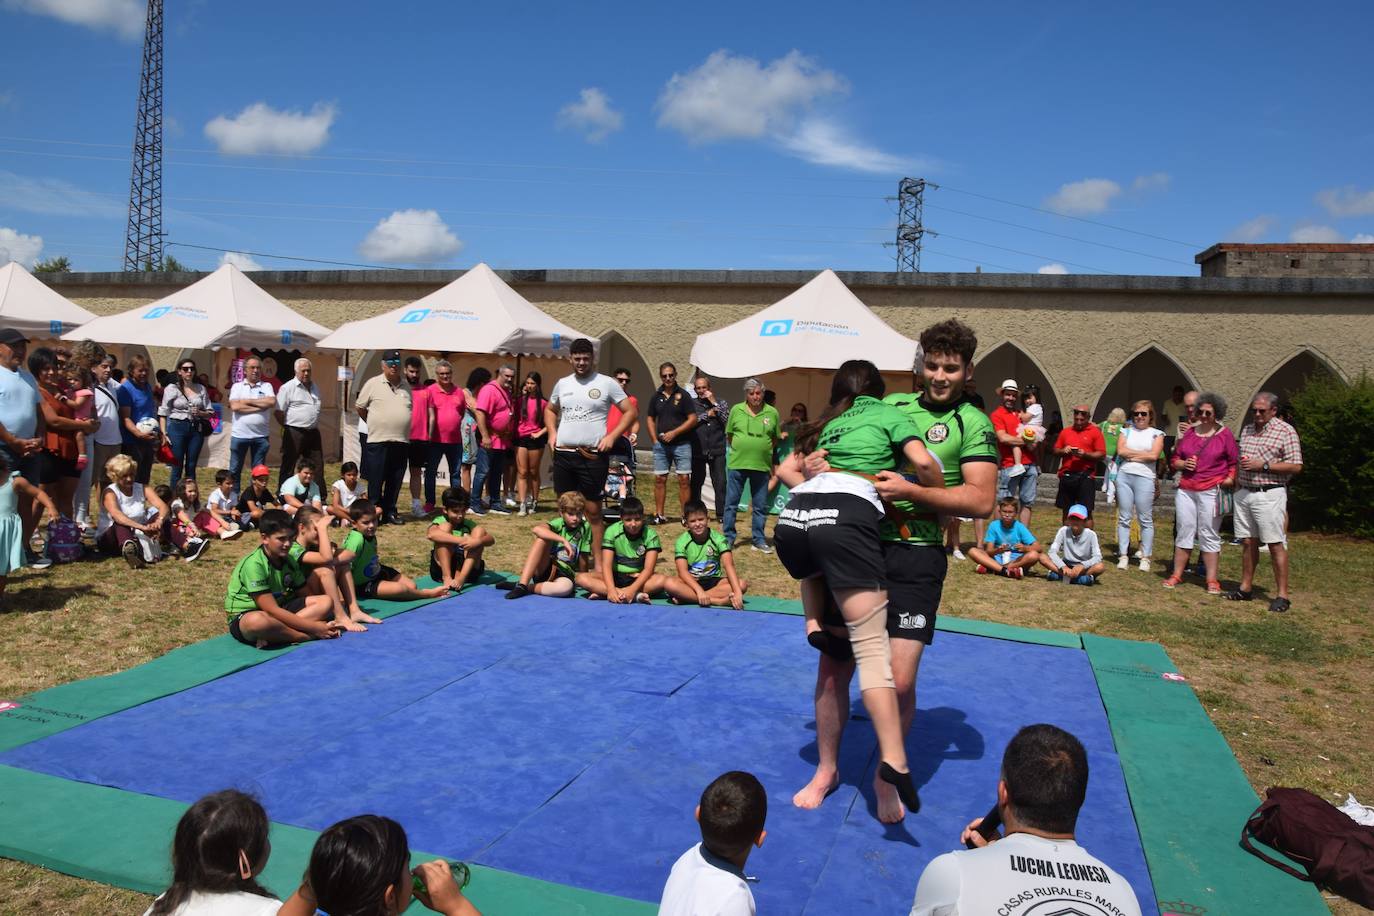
(834, 646)
(518, 590)
(906, 791)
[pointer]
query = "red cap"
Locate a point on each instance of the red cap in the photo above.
(261, 470)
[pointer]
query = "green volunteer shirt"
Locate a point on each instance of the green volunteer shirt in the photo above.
(366, 564)
(703, 558)
(957, 434)
(629, 552)
(252, 576)
(580, 537)
(752, 437)
(868, 437)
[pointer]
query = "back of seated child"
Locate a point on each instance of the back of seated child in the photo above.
(709, 877)
(219, 838)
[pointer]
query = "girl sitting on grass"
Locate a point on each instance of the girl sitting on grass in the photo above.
(219, 849)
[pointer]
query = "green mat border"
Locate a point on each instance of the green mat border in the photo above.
(1188, 794)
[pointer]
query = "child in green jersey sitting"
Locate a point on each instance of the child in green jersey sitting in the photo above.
(629, 552)
(319, 569)
(370, 578)
(705, 564)
(261, 612)
(458, 542)
(561, 557)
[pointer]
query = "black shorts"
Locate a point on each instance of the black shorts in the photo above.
(834, 535)
(1074, 488)
(369, 588)
(708, 582)
(26, 467)
(533, 443)
(418, 453)
(437, 574)
(51, 469)
(915, 582)
(236, 631)
(574, 471)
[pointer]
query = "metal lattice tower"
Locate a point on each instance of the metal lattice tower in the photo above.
(910, 223)
(143, 238)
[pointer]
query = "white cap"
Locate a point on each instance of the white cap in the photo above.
(1009, 383)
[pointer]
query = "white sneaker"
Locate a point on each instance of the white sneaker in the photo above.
(1137, 554)
(958, 554)
(1124, 562)
(510, 503)
(1016, 470)
(1144, 564)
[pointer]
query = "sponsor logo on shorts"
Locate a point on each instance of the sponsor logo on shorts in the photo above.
(808, 518)
(911, 622)
(937, 433)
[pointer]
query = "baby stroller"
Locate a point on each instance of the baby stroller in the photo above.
(620, 483)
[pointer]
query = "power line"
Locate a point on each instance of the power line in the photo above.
(1071, 238)
(278, 257)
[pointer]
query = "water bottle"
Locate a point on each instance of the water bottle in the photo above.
(461, 875)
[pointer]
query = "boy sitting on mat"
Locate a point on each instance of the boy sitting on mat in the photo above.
(709, 877)
(319, 569)
(261, 612)
(561, 557)
(370, 578)
(458, 542)
(705, 564)
(629, 552)
(1008, 548)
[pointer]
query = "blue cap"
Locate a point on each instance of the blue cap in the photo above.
(1078, 510)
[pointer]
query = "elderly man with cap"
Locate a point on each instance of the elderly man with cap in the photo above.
(298, 412)
(384, 402)
(1005, 420)
(21, 429)
(1081, 446)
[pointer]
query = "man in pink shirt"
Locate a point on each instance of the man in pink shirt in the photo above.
(447, 403)
(495, 410)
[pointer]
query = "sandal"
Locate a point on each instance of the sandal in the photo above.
(1213, 587)
(1238, 595)
(1172, 581)
(1279, 605)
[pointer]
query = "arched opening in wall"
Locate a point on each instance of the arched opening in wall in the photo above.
(619, 352)
(1008, 361)
(1290, 377)
(1151, 374)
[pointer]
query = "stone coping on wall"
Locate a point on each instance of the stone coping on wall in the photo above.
(1101, 283)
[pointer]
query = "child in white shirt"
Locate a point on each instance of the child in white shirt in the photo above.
(347, 490)
(1031, 429)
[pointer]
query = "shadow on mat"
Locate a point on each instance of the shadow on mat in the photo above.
(36, 599)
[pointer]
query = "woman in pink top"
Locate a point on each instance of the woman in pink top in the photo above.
(1206, 459)
(529, 447)
(446, 404)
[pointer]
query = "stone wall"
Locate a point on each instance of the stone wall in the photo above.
(1283, 261)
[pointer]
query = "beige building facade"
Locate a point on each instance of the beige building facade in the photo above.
(1100, 340)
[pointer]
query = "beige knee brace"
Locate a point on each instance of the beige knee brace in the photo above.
(872, 654)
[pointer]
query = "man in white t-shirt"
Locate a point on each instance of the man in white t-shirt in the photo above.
(251, 402)
(106, 442)
(1044, 781)
(576, 421)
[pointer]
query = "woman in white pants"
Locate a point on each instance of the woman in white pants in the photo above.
(1138, 452)
(1206, 459)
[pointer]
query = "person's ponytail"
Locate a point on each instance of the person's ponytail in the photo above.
(854, 379)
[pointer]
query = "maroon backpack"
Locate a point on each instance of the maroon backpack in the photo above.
(1336, 852)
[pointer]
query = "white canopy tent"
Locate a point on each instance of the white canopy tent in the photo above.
(477, 313)
(33, 309)
(220, 318)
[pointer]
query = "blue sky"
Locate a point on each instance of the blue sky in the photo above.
(1067, 137)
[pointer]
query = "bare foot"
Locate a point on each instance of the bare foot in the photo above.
(360, 616)
(353, 626)
(437, 591)
(814, 792)
(890, 807)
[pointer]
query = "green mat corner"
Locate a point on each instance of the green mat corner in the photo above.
(1189, 794)
(124, 839)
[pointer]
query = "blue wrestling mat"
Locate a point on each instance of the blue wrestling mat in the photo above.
(569, 741)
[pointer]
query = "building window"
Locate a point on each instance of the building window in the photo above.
(1295, 263)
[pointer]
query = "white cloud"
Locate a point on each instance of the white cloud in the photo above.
(823, 142)
(1347, 201)
(1318, 235)
(239, 260)
(1091, 195)
(125, 17)
(57, 197)
(1053, 269)
(260, 128)
(1156, 181)
(410, 237)
(1253, 229)
(17, 247)
(1363, 238)
(730, 97)
(591, 114)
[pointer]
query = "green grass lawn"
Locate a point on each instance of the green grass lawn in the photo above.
(1284, 689)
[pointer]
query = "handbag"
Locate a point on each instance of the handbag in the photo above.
(201, 426)
(165, 453)
(1334, 851)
